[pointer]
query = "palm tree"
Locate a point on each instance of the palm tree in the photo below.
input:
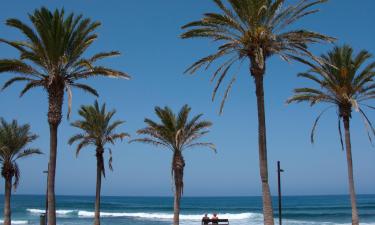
(176, 133)
(14, 139)
(51, 57)
(254, 30)
(98, 130)
(344, 82)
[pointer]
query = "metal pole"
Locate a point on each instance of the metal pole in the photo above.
(279, 170)
(46, 172)
(42, 219)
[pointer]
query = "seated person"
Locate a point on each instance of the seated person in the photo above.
(215, 219)
(205, 219)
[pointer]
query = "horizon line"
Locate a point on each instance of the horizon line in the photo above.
(191, 196)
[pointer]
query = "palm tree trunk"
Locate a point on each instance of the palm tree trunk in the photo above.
(51, 217)
(355, 218)
(267, 201)
(55, 101)
(7, 210)
(176, 207)
(178, 165)
(99, 167)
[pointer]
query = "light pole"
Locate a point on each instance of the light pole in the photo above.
(279, 170)
(46, 172)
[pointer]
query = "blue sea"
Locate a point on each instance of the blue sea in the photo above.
(298, 210)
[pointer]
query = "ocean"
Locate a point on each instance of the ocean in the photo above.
(297, 210)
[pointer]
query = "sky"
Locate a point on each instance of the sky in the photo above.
(147, 34)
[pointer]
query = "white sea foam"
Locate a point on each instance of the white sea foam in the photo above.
(16, 222)
(64, 212)
(164, 216)
(36, 211)
(59, 212)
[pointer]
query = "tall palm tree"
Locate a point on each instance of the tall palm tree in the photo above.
(51, 57)
(177, 133)
(14, 139)
(254, 30)
(344, 82)
(97, 130)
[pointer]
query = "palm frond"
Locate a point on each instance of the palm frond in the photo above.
(340, 133)
(75, 138)
(86, 88)
(103, 55)
(17, 66)
(368, 125)
(30, 85)
(17, 175)
(110, 160)
(70, 97)
(81, 145)
(149, 141)
(316, 123)
(113, 137)
(201, 144)
(28, 152)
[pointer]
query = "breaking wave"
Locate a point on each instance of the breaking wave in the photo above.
(163, 216)
(58, 212)
(16, 222)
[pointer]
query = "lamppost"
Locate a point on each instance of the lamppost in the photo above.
(279, 170)
(45, 215)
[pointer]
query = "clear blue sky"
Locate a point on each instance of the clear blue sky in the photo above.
(146, 32)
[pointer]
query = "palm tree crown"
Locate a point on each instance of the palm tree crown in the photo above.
(176, 133)
(253, 29)
(343, 81)
(51, 56)
(98, 129)
(13, 146)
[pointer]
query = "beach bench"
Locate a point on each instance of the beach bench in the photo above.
(218, 221)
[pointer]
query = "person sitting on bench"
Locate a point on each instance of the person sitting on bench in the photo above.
(205, 219)
(215, 219)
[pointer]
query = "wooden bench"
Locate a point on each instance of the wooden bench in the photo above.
(218, 221)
